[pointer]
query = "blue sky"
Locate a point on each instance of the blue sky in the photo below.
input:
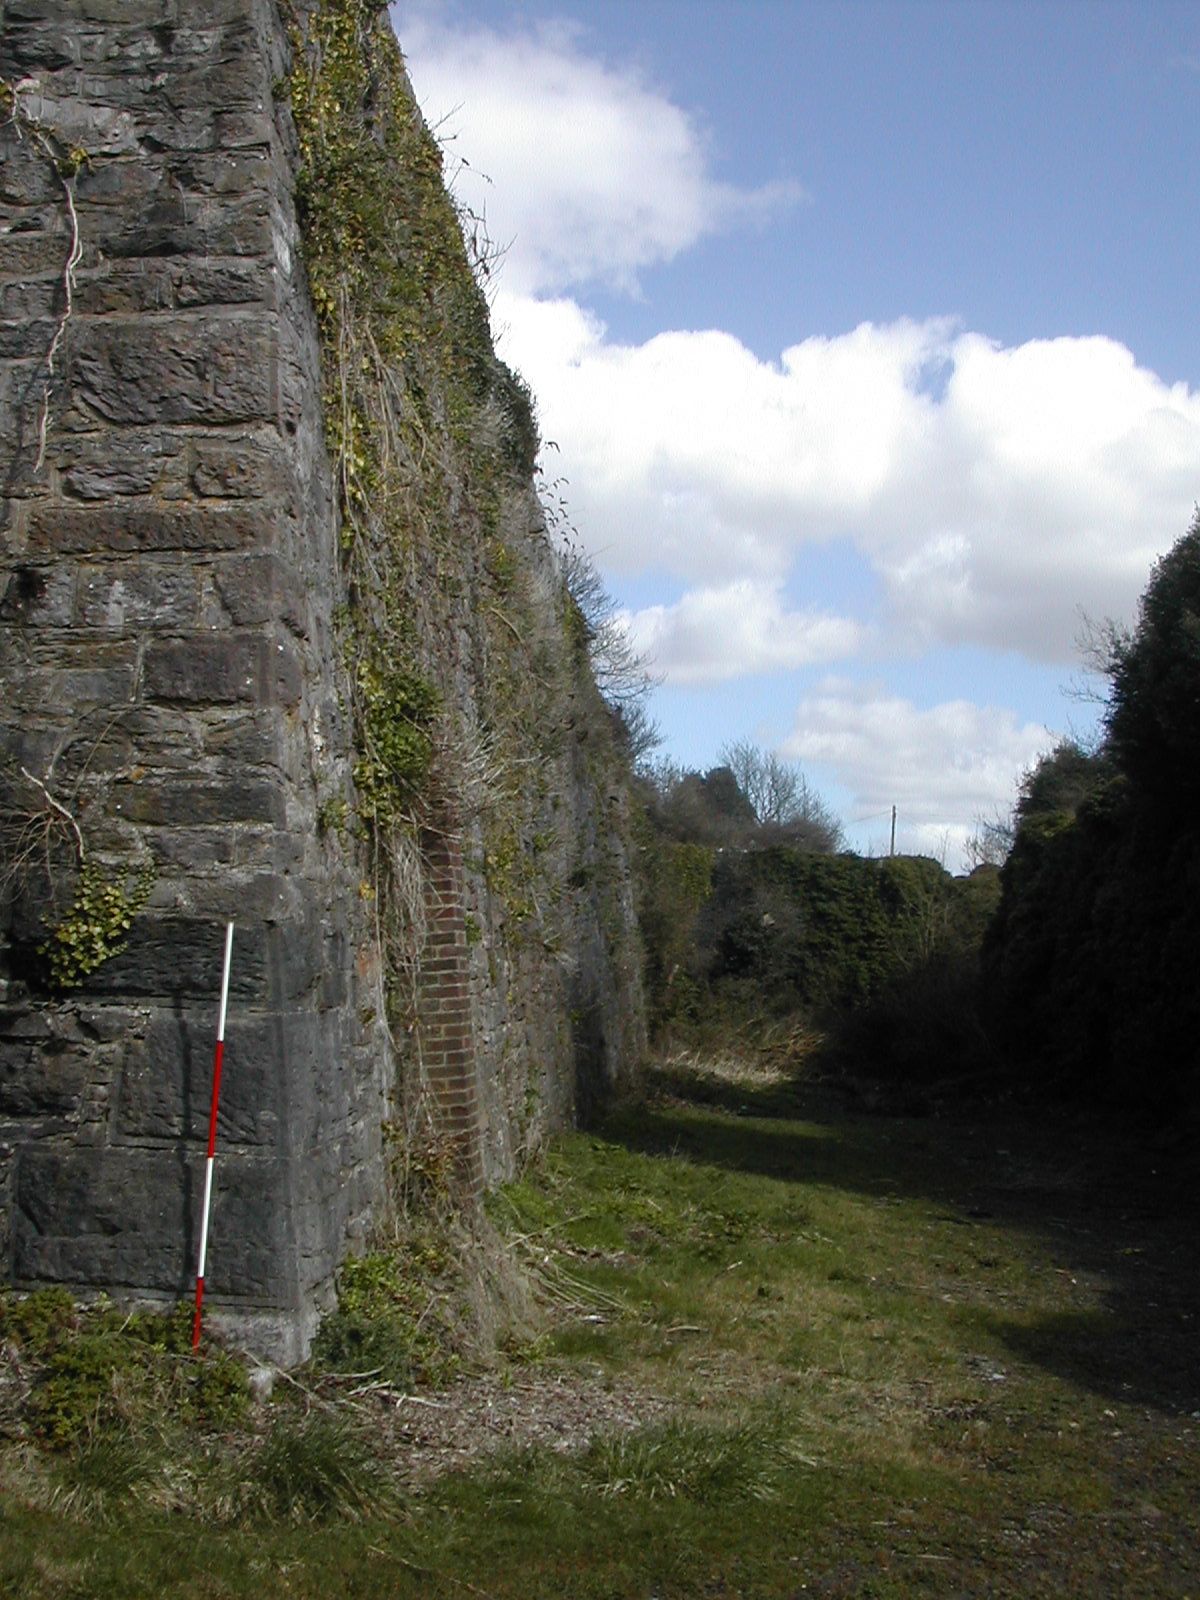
(867, 335)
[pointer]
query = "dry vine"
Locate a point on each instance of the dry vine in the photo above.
(66, 161)
(33, 824)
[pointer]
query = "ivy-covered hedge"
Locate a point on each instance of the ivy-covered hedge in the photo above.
(800, 930)
(1090, 970)
(1091, 965)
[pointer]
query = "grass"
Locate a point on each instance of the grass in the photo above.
(317, 1468)
(880, 1356)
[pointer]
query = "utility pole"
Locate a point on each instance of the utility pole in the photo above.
(892, 851)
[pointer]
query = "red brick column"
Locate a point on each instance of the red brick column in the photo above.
(446, 1033)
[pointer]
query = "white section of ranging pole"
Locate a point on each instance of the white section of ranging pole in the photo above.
(212, 1135)
(204, 1210)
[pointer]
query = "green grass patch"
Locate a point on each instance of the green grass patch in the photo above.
(877, 1356)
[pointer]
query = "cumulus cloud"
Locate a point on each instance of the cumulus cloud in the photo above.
(938, 766)
(990, 491)
(1026, 483)
(586, 171)
(712, 635)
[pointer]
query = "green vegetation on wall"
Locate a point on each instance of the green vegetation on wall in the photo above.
(44, 858)
(474, 716)
(407, 366)
(96, 926)
(398, 710)
(424, 425)
(387, 266)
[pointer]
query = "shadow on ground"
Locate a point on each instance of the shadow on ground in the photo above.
(1114, 1204)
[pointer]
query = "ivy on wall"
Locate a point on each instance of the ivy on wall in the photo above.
(96, 926)
(465, 684)
(412, 392)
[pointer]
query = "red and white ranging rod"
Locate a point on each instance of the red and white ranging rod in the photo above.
(212, 1135)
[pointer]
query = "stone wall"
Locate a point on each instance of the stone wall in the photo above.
(168, 671)
(177, 718)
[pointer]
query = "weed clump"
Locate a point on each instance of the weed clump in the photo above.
(96, 1480)
(314, 1469)
(97, 1370)
(390, 1322)
(688, 1461)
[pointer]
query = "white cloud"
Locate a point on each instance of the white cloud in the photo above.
(1037, 480)
(991, 492)
(938, 766)
(712, 635)
(588, 172)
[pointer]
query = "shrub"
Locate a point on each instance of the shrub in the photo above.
(922, 1026)
(134, 1372)
(804, 930)
(1090, 964)
(383, 1324)
(1153, 717)
(676, 882)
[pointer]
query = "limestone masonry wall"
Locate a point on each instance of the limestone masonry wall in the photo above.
(177, 736)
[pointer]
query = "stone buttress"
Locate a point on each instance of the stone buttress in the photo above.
(169, 675)
(177, 711)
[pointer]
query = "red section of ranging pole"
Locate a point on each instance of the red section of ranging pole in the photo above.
(212, 1136)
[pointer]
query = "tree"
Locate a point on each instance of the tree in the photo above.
(621, 673)
(638, 731)
(785, 807)
(706, 808)
(1153, 721)
(1061, 781)
(991, 841)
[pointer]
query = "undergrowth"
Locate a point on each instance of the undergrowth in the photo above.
(394, 1319)
(103, 1410)
(98, 1370)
